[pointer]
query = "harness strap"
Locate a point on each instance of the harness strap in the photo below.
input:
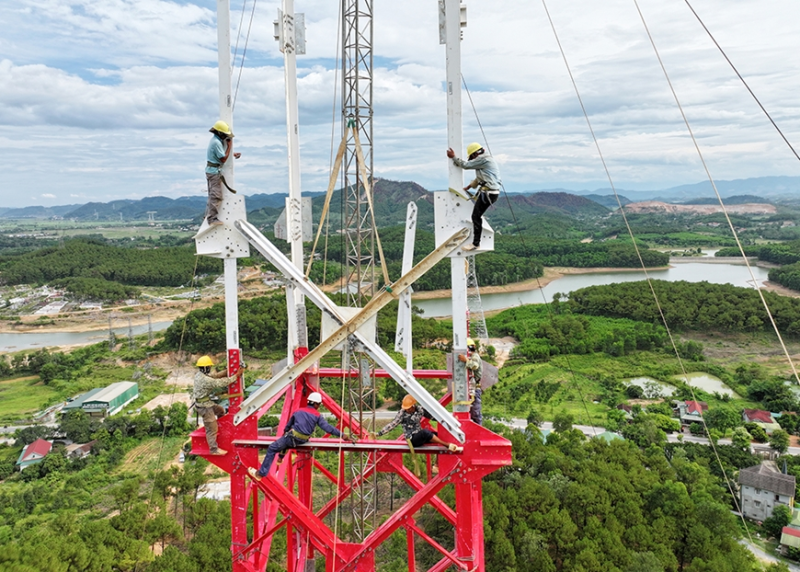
(297, 435)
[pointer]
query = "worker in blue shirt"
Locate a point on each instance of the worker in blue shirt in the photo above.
(487, 181)
(218, 152)
(298, 431)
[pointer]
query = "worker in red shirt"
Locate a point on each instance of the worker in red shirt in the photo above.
(298, 431)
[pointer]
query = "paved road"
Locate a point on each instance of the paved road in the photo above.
(764, 557)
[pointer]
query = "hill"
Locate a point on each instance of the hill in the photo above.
(37, 212)
(735, 200)
(608, 201)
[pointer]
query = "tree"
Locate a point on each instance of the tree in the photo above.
(30, 434)
(722, 419)
(781, 516)
(172, 560)
(645, 562)
(534, 418)
(634, 391)
(779, 440)
(562, 421)
(757, 431)
(77, 426)
(741, 438)
(615, 419)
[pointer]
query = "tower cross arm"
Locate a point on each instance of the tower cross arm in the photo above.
(348, 328)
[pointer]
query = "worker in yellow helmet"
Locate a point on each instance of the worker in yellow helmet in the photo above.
(474, 375)
(206, 385)
(487, 181)
(218, 152)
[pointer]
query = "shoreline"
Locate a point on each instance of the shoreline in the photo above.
(550, 273)
(94, 321)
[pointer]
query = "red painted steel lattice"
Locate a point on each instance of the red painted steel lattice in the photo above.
(288, 491)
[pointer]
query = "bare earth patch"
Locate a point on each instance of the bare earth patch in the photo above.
(167, 399)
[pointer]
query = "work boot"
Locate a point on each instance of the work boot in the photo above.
(469, 247)
(215, 223)
(218, 451)
(253, 474)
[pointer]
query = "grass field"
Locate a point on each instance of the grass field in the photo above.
(153, 454)
(21, 397)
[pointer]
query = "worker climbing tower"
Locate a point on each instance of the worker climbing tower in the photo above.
(304, 497)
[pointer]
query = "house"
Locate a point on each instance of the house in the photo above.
(762, 488)
(104, 401)
(790, 535)
(80, 451)
(762, 418)
(627, 410)
(33, 453)
(691, 411)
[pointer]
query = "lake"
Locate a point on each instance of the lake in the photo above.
(15, 342)
(715, 273)
(708, 383)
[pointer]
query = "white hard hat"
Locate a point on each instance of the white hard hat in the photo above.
(315, 398)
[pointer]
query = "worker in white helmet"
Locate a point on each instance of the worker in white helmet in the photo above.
(487, 181)
(218, 152)
(299, 429)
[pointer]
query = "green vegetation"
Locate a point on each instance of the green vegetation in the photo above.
(689, 306)
(88, 258)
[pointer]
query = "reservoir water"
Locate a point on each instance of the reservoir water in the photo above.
(716, 273)
(15, 342)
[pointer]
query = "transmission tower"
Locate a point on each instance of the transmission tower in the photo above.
(357, 27)
(357, 108)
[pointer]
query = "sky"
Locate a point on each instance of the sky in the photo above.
(113, 99)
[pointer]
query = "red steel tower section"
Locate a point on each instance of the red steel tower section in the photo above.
(285, 498)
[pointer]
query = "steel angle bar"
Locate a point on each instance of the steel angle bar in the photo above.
(349, 328)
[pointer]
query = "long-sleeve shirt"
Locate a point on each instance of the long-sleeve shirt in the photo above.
(205, 386)
(411, 422)
(475, 366)
(487, 173)
(305, 420)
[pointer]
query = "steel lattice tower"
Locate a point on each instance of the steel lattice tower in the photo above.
(357, 26)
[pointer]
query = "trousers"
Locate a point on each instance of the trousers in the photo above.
(283, 444)
(482, 203)
(476, 409)
(209, 416)
(214, 197)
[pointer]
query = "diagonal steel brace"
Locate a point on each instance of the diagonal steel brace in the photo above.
(349, 328)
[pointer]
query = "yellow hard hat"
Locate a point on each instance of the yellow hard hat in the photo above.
(205, 361)
(473, 147)
(470, 343)
(222, 127)
(409, 402)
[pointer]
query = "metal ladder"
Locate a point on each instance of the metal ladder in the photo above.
(477, 321)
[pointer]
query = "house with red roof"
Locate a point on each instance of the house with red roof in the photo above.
(761, 418)
(691, 411)
(34, 453)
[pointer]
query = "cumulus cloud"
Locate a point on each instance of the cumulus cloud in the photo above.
(48, 196)
(114, 99)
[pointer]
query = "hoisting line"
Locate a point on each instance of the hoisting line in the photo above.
(550, 314)
(719, 197)
(244, 54)
(713, 39)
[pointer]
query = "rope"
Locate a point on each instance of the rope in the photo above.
(244, 53)
(736, 237)
(181, 361)
(521, 237)
(736, 71)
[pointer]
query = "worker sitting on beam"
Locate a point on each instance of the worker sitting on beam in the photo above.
(298, 431)
(410, 417)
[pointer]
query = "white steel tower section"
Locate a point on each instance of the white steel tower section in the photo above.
(290, 34)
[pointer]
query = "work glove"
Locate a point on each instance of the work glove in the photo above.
(243, 365)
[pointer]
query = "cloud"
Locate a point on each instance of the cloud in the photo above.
(48, 196)
(114, 99)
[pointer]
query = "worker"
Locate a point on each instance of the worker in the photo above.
(299, 429)
(206, 385)
(487, 181)
(219, 150)
(410, 417)
(474, 374)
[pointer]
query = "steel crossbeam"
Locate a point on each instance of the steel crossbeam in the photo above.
(348, 328)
